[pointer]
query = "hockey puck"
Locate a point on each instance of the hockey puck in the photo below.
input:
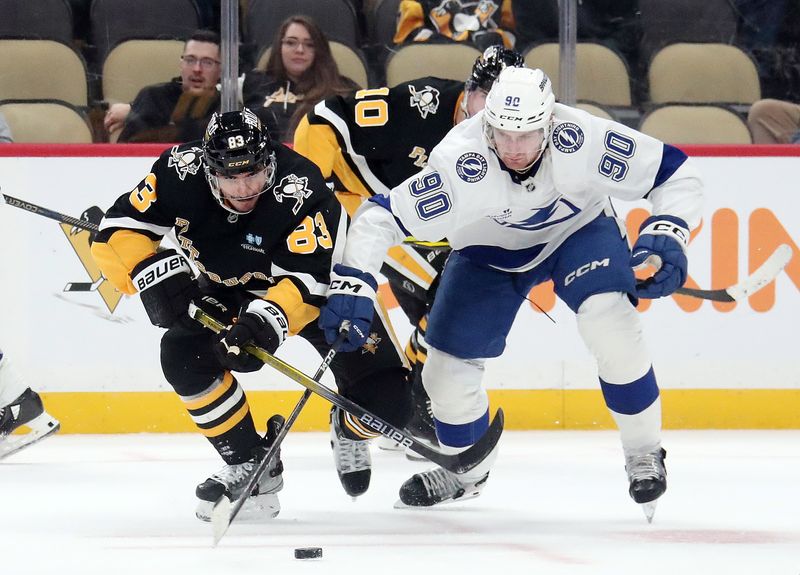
(308, 553)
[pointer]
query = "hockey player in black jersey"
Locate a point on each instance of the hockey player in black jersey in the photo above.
(367, 144)
(263, 229)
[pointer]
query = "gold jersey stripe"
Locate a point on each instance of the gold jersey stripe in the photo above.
(214, 392)
(228, 424)
(355, 427)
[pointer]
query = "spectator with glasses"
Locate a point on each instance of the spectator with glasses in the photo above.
(178, 110)
(299, 73)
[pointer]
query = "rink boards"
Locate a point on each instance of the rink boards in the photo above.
(94, 354)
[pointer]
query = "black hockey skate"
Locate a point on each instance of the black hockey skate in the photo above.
(647, 475)
(421, 425)
(351, 457)
(232, 479)
(26, 410)
(438, 486)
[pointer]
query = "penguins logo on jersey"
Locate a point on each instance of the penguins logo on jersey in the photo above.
(292, 187)
(185, 162)
(568, 137)
(426, 101)
(471, 167)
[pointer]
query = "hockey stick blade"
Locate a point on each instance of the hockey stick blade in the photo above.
(765, 273)
(53, 215)
(457, 463)
(83, 286)
(223, 513)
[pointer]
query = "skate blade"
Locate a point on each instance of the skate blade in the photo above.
(649, 510)
(400, 505)
(40, 428)
(386, 444)
(257, 509)
(414, 456)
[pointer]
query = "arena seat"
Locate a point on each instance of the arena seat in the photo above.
(46, 122)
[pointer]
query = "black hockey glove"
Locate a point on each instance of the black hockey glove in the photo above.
(165, 284)
(262, 323)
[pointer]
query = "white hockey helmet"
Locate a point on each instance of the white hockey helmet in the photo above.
(521, 100)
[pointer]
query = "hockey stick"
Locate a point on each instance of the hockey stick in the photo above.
(84, 286)
(53, 215)
(457, 462)
(224, 512)
(765, 273)
(427, 245)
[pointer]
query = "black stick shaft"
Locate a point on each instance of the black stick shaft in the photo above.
(53, 215)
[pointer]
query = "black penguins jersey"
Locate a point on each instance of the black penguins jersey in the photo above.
(372, 142)
(369, 143)
(282, 250)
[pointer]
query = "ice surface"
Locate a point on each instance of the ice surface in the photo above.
(556, 502)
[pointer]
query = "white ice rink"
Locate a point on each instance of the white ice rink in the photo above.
(556, 503)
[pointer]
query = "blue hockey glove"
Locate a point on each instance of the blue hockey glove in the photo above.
(662, 243)
(351, 297)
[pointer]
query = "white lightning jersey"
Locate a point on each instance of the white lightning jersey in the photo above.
(494, 218)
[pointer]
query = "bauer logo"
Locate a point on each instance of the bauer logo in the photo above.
(568, 137)
(471, 167)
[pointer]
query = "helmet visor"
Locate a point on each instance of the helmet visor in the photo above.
(517, 150)
(240, 191)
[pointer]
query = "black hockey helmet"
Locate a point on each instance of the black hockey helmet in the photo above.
(488, 66)
(235, 143)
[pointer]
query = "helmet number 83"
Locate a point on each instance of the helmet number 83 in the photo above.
(235, 142)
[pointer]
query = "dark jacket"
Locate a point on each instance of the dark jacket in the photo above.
(164, 113)
(275, 102)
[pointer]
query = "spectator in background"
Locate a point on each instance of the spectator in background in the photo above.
(484, 23)
(5, 131)
(300, 72)
(774, 122)
(178, 110)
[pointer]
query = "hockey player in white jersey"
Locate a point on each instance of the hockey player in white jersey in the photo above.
(523, 193)
(20, 406)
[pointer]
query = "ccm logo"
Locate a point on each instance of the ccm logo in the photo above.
(586, 268)
(344, 285)
(160, 271)
(238, 164)
(513, 118)
(667, 227)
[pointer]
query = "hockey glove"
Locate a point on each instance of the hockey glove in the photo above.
(261, 323)
(165, 285)
(662, 243)
(351, 297)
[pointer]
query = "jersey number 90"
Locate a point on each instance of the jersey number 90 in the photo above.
(433, 200)
(614, 162)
